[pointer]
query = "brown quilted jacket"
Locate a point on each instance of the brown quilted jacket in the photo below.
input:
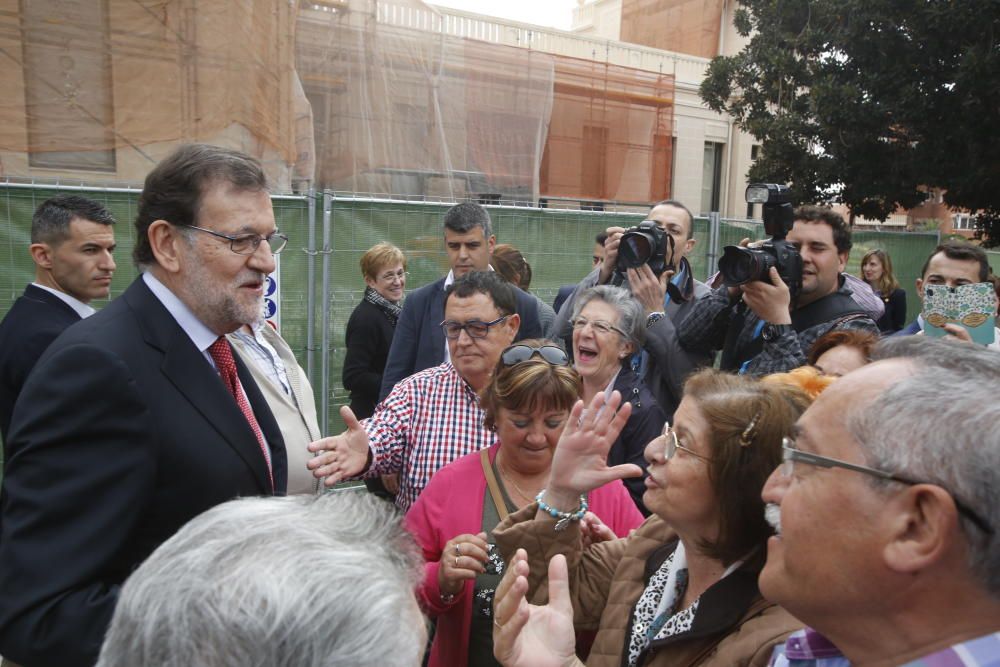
(734, 624)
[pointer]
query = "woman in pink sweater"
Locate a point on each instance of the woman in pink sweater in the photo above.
(528, 402)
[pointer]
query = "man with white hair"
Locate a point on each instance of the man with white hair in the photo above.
(886, 511)
(284, 582)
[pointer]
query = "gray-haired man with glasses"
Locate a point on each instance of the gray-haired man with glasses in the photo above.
(140, 417)
(886, 511)
(432, 417)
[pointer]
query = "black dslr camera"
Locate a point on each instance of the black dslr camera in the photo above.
(646, 243)
(743, 265)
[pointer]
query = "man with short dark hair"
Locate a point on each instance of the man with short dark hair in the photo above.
(757, 325)
(140, 417)
(72, 245)
(418, 342)
(668, 298)
(432, 417)
(885, 535)
(952, 263)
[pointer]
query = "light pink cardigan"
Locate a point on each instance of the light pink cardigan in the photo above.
(452, 504)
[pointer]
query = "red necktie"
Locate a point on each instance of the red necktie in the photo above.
(222, 354)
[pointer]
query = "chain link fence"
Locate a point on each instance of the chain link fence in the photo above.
(321, 280)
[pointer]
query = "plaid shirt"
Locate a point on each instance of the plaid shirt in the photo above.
(808, 648)
(430, 419)
(704, 330)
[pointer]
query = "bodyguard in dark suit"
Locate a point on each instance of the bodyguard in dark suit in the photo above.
(139, 418)
(419, 342)
(72, 241)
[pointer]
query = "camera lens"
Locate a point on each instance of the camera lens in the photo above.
(740, 265)
(634, 250)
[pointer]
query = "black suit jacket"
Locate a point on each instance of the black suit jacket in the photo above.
(419, 341)
(123, 433)
(32, 323)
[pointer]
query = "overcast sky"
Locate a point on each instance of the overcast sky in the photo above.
(551, 13)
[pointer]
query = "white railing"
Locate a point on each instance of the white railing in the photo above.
(456, 23)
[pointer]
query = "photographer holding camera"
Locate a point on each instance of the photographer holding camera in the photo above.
(780, 297)
(650, 260)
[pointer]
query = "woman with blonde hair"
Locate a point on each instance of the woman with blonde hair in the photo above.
(682, 588)
(876, 266)
(527, 403)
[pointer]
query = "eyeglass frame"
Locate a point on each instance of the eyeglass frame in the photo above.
(465, 327)
(598, 325)
(255, 239)
(396, 276)
(533, 352)
(674, 443)
(791, 454)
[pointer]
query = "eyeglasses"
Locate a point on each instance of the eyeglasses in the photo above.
(790, 455)
(247, 244)
(394, 276)
(673, 444)
(475, 328)
(515, 354)
(600, 326)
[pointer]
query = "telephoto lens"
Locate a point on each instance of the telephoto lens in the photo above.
(739, 266)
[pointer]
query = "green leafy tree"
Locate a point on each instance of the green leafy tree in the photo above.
(863, 102)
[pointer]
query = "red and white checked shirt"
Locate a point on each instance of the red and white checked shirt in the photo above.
(428, 420)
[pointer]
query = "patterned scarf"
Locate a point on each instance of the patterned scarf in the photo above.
(389, 309)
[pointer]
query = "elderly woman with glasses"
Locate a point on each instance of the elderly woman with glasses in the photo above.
(527, 403)
(609, 327)
(369, 336)
(682, 589)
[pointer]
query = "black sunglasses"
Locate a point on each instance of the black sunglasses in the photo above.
(515, 354)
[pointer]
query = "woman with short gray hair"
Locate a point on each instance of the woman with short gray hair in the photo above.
(609, 328)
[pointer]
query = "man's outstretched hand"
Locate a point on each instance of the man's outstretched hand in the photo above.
(343, 456)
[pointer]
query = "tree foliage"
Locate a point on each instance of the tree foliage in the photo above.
(864, 102)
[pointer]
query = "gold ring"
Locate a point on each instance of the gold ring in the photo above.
(497, 624)
(456, 560)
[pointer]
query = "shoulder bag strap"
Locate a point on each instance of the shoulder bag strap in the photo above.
(491, 482)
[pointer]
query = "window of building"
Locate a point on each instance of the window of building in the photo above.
(963, 221)
(711, 177)
(68, 85)
(595, 157)
(754, 153)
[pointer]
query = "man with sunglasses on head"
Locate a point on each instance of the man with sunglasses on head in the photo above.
(886, 513)
(432, 417)
(140, 417)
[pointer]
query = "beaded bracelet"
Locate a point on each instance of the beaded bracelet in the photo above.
(563, 517)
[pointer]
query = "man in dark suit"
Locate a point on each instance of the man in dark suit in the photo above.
(72, 242)
(566, 291)
(418, 342)
(139, 418)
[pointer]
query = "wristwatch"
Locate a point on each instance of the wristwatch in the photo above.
(653, 318)
(772, 332)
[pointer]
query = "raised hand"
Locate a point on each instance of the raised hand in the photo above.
(343, 456)
(648, 290)
(462, 558)
(610, 253)
(527, 635)
(580, 462)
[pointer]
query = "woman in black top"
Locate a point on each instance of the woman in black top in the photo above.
(372, 324)
(876, 268)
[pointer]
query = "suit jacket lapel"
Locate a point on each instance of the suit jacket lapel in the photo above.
(38, 294)
(193, 376)
(436, 313)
